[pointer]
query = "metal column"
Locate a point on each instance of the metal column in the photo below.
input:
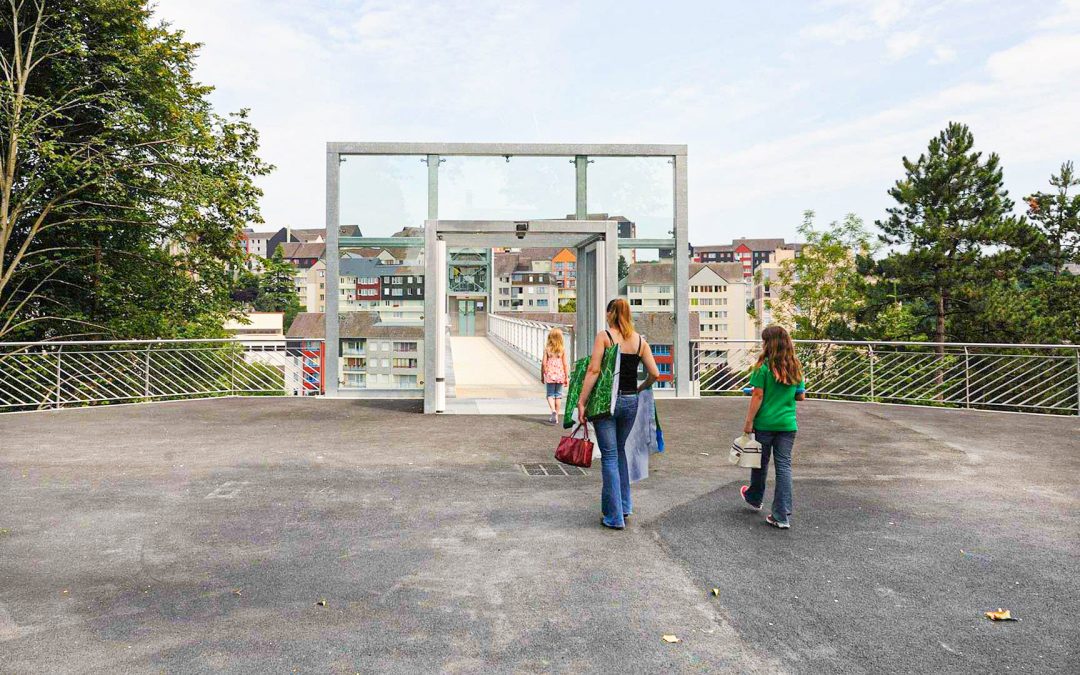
(682, 281)
(331, 370)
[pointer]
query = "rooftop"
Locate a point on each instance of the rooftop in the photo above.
(359, 324)
(203, 537)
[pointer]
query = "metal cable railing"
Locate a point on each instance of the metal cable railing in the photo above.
(1023, 378)
(527, 338)
(37, 375)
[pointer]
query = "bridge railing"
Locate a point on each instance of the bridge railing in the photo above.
(38, 375)
(1013, 377)
(527, 338)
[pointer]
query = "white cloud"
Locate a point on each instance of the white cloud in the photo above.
(943, 55)
(903, 44)
(1016, 110)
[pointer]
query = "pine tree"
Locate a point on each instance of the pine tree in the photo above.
(953, 215)
(1056, 216)
(276, 291)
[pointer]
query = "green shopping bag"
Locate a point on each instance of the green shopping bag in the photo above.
(573, 391)
(601, 401)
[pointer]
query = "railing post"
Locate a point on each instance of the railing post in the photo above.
(59, 357)
(146, 374)
(1076, 351)
(232, 372)
(870, 356)
(967, 377)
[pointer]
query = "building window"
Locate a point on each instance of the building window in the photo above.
(664, 368)
(635, 302)
(664, 302)
(404, 346)
(665, 289)
(661, 350)
(633, 289)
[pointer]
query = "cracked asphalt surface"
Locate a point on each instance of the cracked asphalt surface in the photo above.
(199, 536)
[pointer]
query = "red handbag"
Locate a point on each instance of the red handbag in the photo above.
(575, 451)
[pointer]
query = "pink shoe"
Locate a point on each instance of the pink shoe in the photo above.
(742, 491)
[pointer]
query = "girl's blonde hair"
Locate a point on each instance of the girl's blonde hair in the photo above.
(555, 342)
(618, 315)
(778, 351)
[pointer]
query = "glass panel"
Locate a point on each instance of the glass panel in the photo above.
(383, 194)
(381, 288)
(640, 190)
(648, 284)
(492, 188)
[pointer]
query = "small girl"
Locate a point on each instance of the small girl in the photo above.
(553, 371)
(778, 383)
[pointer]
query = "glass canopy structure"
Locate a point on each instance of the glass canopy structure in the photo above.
(620, 210)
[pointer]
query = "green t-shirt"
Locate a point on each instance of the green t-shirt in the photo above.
(777, 412)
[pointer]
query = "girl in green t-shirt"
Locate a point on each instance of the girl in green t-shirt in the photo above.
(777, 382)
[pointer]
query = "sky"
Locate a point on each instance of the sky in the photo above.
(784, 106)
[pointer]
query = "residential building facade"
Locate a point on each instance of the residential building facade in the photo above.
(373, 354)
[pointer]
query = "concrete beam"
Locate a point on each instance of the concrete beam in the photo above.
(502, 149)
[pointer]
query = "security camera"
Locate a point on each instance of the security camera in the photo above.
(521, 228)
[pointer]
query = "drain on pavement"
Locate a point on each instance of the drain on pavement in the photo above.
(552, 470)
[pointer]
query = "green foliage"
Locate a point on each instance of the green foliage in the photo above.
(276, 292)
(568, 306)
(954, 216)
(1056, 216)
(128, 194)
(624, 267)
(821, 293)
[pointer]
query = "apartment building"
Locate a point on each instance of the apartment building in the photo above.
(564, 275)
(528, 280)
(717, 294)
(766, 289)
(750, 253)
(659, 329)
(310, 278)
(373, 354)
(649, 287)
(258, 329)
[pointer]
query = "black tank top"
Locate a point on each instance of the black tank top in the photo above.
(628, 367)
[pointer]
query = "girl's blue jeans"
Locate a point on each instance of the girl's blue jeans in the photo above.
(779, 445)
(611, 433)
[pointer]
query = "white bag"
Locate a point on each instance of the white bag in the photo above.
(746, 452)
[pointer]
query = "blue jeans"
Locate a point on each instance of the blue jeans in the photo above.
(611, 433)
(778, 444)
(554, 390)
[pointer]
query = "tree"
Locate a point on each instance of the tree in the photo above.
(568, 306)
(624, 267)
(276, 287)
(821, 292)
(123, 194)
(954, 217)
(1056, 216)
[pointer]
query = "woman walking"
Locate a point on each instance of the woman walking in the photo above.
(553, 371)
(611, 432)
(778, 383)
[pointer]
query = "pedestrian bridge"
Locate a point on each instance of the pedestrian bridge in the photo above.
(486, 379)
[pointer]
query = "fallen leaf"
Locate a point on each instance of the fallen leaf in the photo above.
(1001, 615)
(716, 592)
(236, 592)
(321, 602)
(669, 639)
